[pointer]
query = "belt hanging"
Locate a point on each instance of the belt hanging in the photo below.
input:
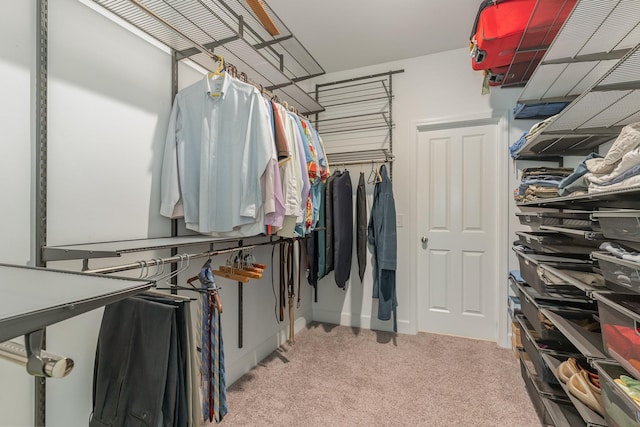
(300, 264)
(291, 291)
(282, 281)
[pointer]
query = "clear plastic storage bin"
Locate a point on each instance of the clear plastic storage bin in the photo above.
(529, 264)
(619, 225)
(566, 219)
(533, 345)
(623, 274)
(551, 242)
(620, 324)
(619, 409)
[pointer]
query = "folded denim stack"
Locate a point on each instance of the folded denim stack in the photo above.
(577, 182)
(535, 130)
(582, 383)
(540, 182)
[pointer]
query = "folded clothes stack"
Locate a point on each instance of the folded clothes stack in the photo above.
(620, 251)
(618, 170)
(589, 278)
(540, 182)
(535, 130)
(631, 386)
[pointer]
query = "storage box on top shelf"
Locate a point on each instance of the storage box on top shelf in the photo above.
(620, 409)
(620, 324)
(620, 274)
(619, 224)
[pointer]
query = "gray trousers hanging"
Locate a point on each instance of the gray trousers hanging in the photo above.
(361, 226)
(342, 227)
(136, 367)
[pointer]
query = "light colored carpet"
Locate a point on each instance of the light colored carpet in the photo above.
(342, 376)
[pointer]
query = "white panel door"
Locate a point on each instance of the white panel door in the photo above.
(457, 245)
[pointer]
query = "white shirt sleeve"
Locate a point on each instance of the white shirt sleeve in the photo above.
(256, 156)
(170, 195)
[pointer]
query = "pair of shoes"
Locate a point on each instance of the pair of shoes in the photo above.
(581, 383)
(585, 386)
(567, 369)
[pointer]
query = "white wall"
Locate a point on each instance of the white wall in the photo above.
(17, 60)
(109, 102)
(439, 87)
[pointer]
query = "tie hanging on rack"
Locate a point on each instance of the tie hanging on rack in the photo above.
(209, 337)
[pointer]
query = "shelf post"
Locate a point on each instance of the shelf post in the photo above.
(174, 222)
(41, 178)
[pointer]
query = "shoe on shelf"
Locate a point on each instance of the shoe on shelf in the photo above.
(567, 369)
(586, 388)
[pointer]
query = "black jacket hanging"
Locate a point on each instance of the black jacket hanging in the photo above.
(328, 206)
(342, 227)
(361, 226)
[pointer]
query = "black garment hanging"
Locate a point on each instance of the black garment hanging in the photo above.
(361, 226)
(328, 207)
(342, 227)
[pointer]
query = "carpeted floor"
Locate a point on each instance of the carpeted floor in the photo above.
(342, 376)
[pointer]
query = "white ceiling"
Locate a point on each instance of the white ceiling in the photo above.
(346, 34)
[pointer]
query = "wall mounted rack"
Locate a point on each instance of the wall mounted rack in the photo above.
(592, 64)
(198, 29)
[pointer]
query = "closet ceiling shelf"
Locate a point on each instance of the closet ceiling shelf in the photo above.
(201, 30)
(606, 88)
(595, 37)
(33, 298)
(117, 248)
(588, 343)
(565, 144)
(545, 21)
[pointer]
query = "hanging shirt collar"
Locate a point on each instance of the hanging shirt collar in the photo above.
(218, 86)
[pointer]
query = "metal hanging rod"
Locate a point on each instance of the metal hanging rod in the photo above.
(174, 259)
(53, 366)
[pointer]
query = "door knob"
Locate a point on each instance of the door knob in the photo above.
(425, 239)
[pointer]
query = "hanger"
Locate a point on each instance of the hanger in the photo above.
(232, 276)
(373, 175)
(218, 71)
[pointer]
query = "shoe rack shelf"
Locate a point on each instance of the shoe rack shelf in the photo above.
(587, 415)
(552, 408)
(592, 63)
(588, 343)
